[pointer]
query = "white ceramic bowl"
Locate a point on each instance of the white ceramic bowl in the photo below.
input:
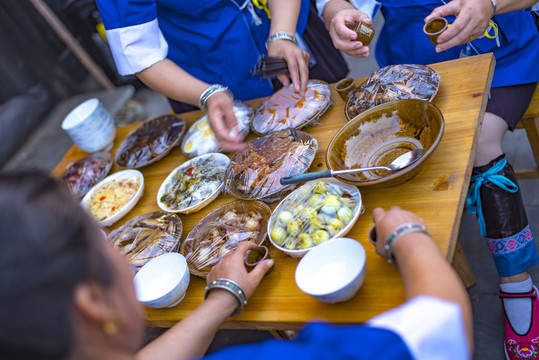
(125, 174)
(333, 271)
(291, 198)
(90, 126)
(162, 281)
(214, 162)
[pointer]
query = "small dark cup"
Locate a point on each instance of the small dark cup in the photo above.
(364, 33)
(372, 235)
(434, 27)
(255, 256)
(344, 86)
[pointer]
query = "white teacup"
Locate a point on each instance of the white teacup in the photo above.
(90, 126)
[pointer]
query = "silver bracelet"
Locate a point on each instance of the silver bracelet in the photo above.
(210, 90)
(399, 232)
(281, 36)
(231, 287)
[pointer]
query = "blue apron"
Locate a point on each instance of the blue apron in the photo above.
(216, 41)
(402, 41)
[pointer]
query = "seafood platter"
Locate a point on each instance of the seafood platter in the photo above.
(221, 230)
(147, 236)
(255, 174)
(151, 141)
(288, 109)
(391, 83)
(81, 175)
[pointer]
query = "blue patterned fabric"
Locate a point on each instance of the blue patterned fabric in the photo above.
(515, 253)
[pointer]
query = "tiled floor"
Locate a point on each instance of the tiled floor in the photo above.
(48, 144)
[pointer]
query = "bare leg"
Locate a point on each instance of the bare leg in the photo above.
(515, 278)
(490, 139)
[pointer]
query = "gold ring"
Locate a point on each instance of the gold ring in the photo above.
(471, 37)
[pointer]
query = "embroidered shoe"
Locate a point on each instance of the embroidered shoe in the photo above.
(523, 346)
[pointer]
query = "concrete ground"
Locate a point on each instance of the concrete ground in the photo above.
(48, 143)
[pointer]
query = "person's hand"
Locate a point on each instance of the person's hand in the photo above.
(472, 20)
(387, 221)
(342, 35)
(232, 267)
(220, 111)
(297, 60)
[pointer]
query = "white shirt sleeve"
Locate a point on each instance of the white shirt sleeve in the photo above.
(431, 328)
(320, 4)
(135, 48)
(369, 7)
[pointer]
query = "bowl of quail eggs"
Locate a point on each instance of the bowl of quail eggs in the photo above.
(316, 212)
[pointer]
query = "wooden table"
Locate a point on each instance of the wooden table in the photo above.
(437, 195)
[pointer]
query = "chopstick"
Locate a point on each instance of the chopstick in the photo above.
(269, 66)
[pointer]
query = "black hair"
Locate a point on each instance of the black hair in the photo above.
(47, 246)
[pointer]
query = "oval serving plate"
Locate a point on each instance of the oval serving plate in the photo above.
(200, 139)
(286, 108)
(193, 184)
(81, 175)
(256, 173)
(220, 231)
(391, 83)
(151, 141)
(135, 178)
(147, 236)
(308, 216)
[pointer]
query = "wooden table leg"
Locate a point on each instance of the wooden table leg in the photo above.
(461, 265)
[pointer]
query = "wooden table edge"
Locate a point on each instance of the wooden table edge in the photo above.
(455, 254)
